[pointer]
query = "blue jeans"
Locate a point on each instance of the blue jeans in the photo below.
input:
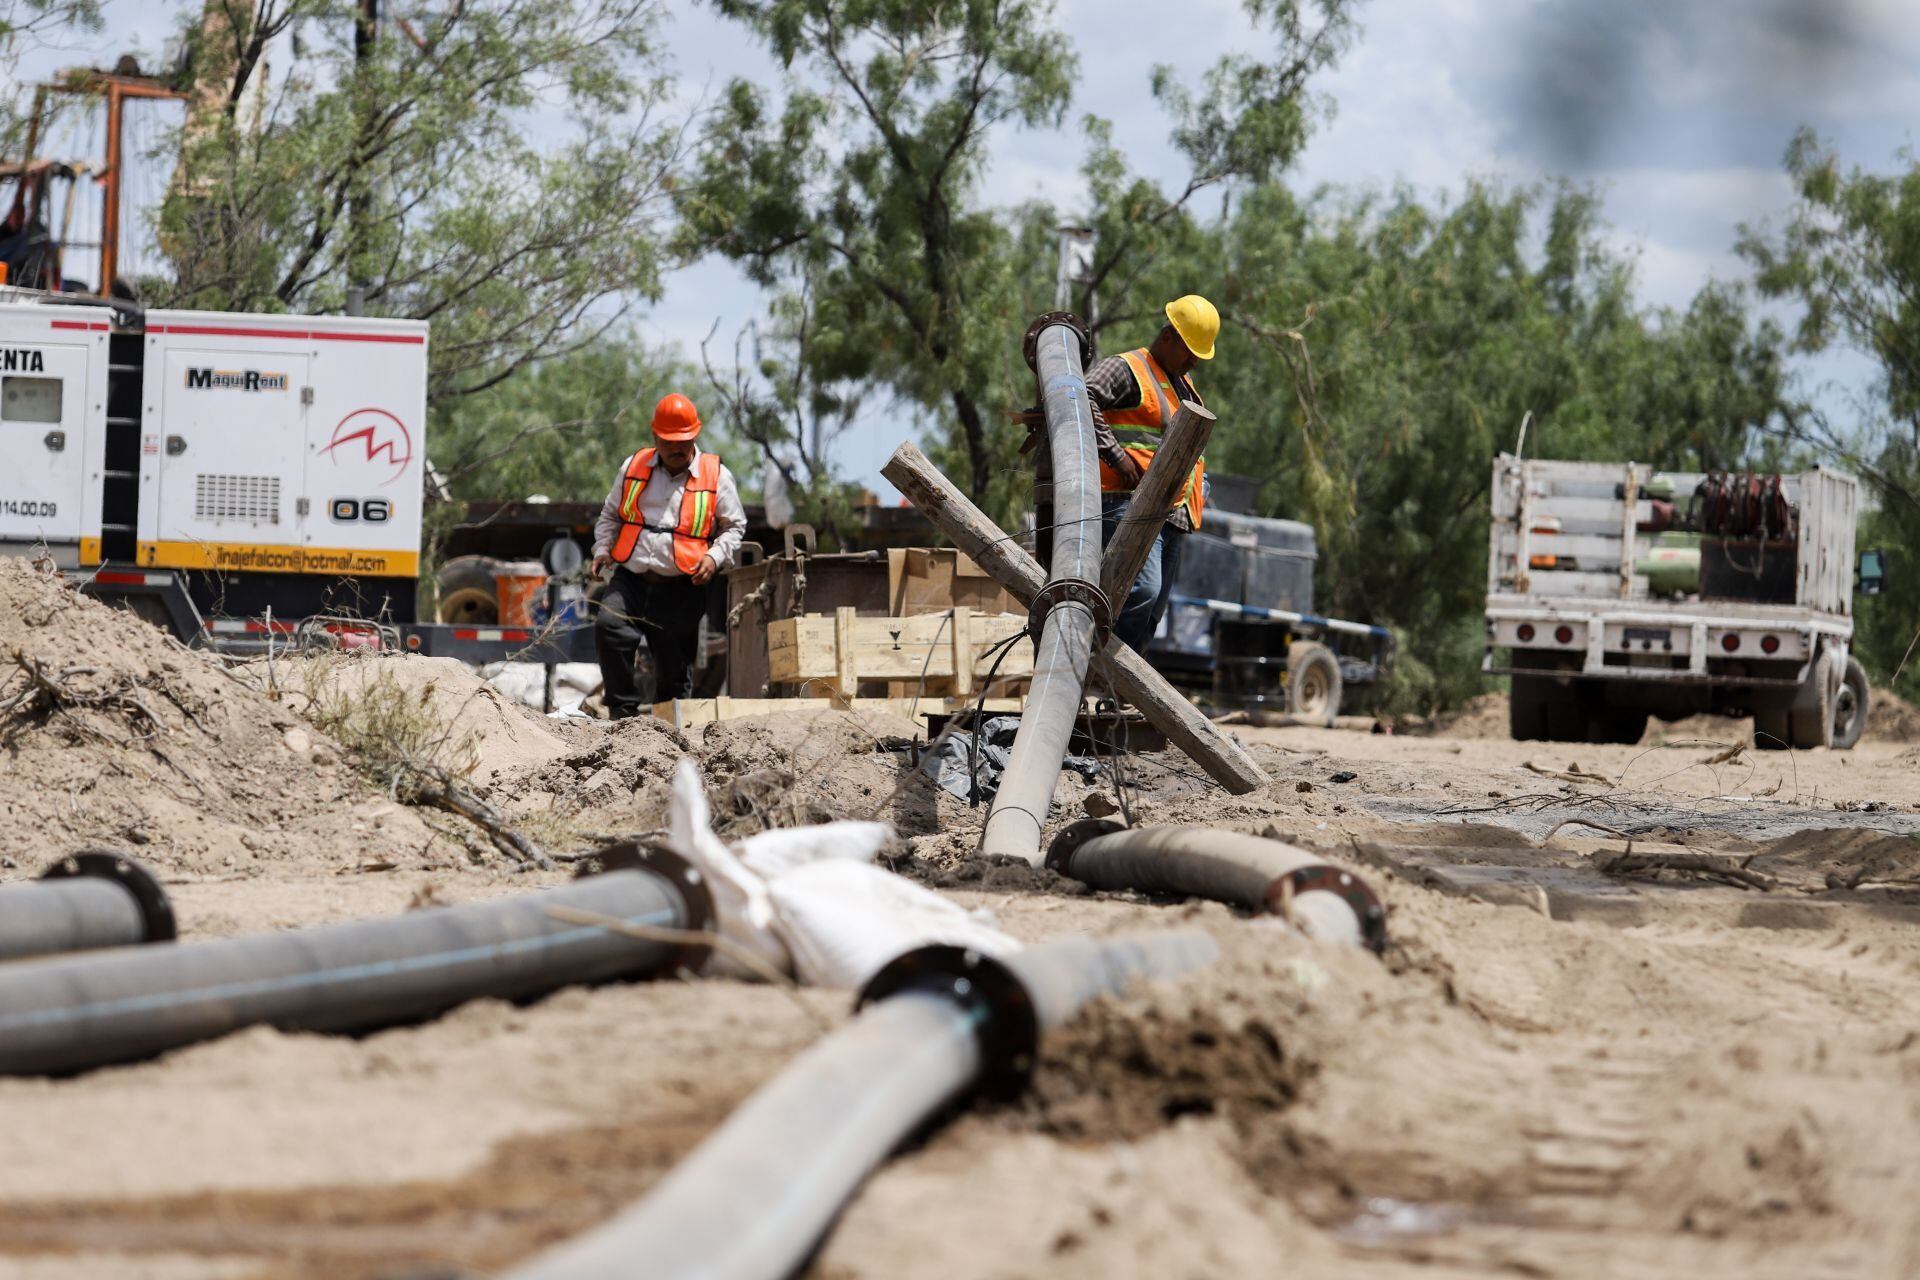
(1146, 603)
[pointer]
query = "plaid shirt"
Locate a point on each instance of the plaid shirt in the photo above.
(1111, 385)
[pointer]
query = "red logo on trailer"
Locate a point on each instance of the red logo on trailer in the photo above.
(374, 436)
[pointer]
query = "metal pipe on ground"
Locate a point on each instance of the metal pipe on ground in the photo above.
(84, 902)
(1323, 900)
(937, 498)
(754, 1199)
(1069, 609)
(74, 1013)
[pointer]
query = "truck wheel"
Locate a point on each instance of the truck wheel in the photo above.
(1811, 716)
(1313, 683)
(1850, 707)
(1527, 709)
(1567, 715)
(468, 594)
(1772, 730)
(1624, 725)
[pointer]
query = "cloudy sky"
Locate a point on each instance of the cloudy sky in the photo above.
(1676, 111)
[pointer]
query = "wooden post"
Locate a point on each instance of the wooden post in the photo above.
(844, 675)
(962, 625)
(1180, 447)
(971, 531)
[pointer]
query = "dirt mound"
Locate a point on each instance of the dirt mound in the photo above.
(115, 734)
(1844, 858)
(505, 736)
(805, 767)
(1891, 718)
(1481, 717)
(1118, 1073)
(609, 779)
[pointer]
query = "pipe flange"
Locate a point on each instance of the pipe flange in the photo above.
(1030, 345)
(156, 911)
(1078, 591)
(1005, 1023)
(702, 916)
(1070, 837)
(1348, 887)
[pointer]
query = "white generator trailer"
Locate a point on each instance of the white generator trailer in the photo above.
(230, 477)
(1618, 592)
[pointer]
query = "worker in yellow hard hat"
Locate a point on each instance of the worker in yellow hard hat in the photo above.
(1135, 396)
(672, 520)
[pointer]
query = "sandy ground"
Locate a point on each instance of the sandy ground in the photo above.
(1553, 1071)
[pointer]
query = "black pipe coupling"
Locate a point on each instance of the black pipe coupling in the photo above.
(1005, 1022)
(1030, 345)
(156, 910)
(1072, 591)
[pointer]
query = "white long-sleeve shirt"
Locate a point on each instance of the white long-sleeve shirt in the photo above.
(660, 510)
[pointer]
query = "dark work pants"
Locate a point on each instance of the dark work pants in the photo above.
(667, 615)
(1136, 620)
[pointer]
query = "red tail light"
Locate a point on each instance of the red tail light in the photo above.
(1525, 632)
(1729, 642)
(1564, 634)
(1769, 644)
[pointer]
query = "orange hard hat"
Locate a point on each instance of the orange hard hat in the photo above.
(675, 418)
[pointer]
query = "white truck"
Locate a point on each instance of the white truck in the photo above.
(1618, 592)
(230, 477)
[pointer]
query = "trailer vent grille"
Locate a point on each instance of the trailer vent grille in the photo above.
(254, 499)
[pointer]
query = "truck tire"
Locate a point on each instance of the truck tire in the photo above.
(1313, 682)
(1850, 707)
(1623, 725)
(468, 594)
(1567, 712)
(1527, 708)
(1772, 730)
(1810, 718)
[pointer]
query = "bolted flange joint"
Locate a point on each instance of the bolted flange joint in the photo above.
(1030, 345)
(156, 910)
(1077, 591)
(1351, 889)
(1006, 1023)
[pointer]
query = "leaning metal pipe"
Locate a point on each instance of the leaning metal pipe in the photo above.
(1323, 900)
(84, 902)
(1070, 608)
(955, 515)
(69, 1014)
(755, 1198)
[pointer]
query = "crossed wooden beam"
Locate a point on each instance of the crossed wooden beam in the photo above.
(1010, 565)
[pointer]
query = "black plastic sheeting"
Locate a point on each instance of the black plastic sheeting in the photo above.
(957, 765)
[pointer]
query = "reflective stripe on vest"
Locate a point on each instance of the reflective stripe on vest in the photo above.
(1138, 430)
(692, 532)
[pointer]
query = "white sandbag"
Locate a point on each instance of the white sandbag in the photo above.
(774, 853)
(746, 912)
(526, 683)
(842, 921)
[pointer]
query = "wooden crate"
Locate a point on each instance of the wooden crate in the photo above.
(949, 651)
(686, 713)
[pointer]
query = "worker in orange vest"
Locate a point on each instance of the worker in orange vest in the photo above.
(672, 520)
(1135, 396)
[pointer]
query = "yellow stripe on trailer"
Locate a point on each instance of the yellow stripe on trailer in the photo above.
(269, 558)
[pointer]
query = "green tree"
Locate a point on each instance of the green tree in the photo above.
(853, 189)
(497, 167)
(1379, 352)
(560, 428)
(1849, 255)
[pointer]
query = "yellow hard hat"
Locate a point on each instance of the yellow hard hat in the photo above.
(1197, 323)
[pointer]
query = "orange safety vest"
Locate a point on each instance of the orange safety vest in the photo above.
(1138, 430)
(694, 530)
